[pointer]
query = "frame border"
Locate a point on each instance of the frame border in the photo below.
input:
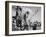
(7, 17)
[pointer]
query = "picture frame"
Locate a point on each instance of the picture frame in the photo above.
(24, 18)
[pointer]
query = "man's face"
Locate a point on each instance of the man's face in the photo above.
(19, 12)
(27, 14)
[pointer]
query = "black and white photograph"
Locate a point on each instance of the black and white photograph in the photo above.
(26, 18)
